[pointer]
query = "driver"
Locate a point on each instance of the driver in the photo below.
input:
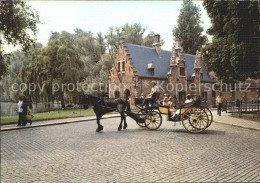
(151, 96)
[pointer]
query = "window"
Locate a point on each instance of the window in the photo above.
(127, 94)
(151, 71)
(201, 75)
(123, 66)
(182, 97)
(117, 94)
(182, 71)
(204, 95)
(118, 66)
(213, 94)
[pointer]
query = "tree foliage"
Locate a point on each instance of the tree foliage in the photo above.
(98, 51)
(80, 56)
(189, 28)
(234, 52)
(97, 62)
(9, 84)
(55, 65)
(133, 33)
(18, 24)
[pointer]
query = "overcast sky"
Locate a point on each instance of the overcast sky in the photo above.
(96, 16)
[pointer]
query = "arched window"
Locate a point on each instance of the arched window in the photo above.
(117, 94)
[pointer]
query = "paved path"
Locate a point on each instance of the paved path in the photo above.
(76, 153)
(226, 118)
(54, 122)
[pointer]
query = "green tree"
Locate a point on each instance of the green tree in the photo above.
(59, 64)
(234, 52)
(98, 51)
(189, 28)
(18, 24)
(17, 60)
(133, 33)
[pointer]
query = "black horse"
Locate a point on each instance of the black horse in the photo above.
(101, 107)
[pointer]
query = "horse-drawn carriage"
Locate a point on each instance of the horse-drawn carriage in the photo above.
(195, 116)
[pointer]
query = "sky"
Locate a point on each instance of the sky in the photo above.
(98, 16)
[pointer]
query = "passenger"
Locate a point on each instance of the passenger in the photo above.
(171, 108)
(165, 95)
(165, 101)
(188, 99)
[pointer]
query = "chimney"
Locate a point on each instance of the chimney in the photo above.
(197, 73)
(157, 44)
(177, 44)
(197, 60)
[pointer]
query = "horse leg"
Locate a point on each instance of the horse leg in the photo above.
(125, 124)
(100, 127)
(122, 118)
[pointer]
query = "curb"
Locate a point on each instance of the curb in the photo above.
(239, 126)
(51, 124)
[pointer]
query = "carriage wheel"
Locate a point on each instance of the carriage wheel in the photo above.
(142, 114)
(209, 115)
(195, 120)
(153, 120)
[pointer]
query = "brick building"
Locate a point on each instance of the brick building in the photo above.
(175, 72)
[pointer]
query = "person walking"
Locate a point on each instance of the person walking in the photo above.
(19, 109)
(219, 103)
(26, 111)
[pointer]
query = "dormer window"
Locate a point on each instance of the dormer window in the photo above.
(150, 68)
(151, 71)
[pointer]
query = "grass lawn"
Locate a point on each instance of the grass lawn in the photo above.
(50, 115)
(252, 117)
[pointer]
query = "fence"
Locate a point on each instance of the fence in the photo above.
(240, 107)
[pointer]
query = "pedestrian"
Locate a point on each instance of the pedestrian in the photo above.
(188, 99)
(19, 109)
(26, 111)
(219, 103)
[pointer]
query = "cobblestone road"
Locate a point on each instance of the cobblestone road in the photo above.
(76, 153)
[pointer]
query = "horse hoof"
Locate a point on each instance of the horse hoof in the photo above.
(99, 129)
(125, 127)
(119, 129)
